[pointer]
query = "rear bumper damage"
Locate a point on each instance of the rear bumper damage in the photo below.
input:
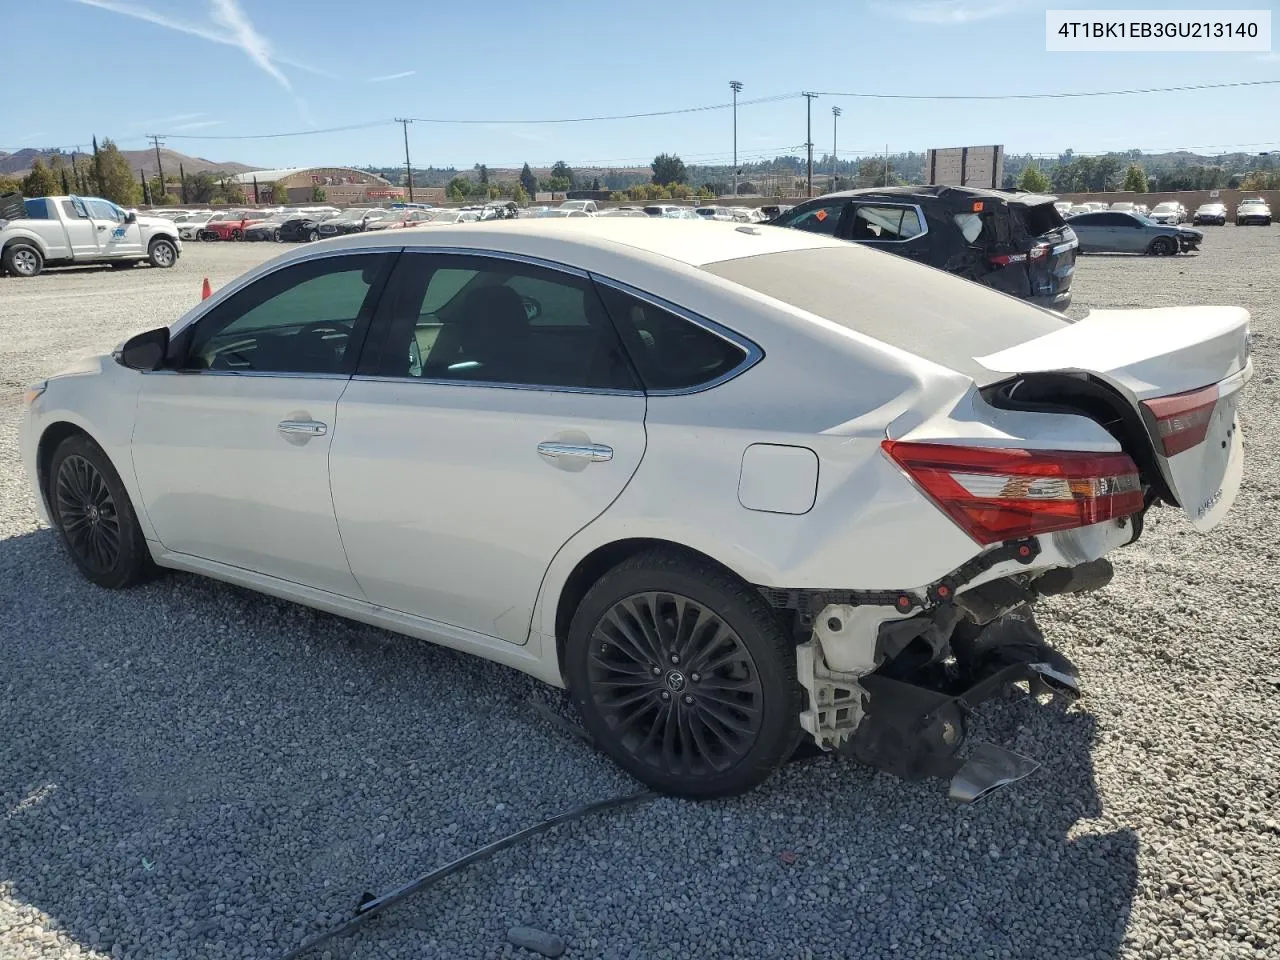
(893, 679)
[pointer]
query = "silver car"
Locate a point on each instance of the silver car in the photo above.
(1112, 231)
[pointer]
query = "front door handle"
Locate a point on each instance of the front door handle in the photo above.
(302, 428)
(590, 452)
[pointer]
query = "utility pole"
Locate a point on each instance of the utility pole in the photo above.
(835, 120)
(808, 138)
(408, 170)
(736, 87)
(155, 138)
(886, 164)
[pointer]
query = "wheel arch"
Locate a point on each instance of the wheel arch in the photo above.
(587, 571)
(50, 438)
(30, 239)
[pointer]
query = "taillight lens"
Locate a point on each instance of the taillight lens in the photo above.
(1182, 420)
(1004, 259)
(998, 494)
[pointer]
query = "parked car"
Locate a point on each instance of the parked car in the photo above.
(453, 216)
(57, 231)
(1096, 205)
(682, 213)
(189, 226)
(713, 212)
(1063, 207)
(500, 210)
(561, 212)
(229, 225)
(303, 226)
(1214, 213)
(851, 562)
(1116, 232)
(1077, 209)
(1014, 242)
(268, 229)
(1168, 212)
(774, 210)
(399, 219)
(622, 212)
(1253, 212)
(589, 207)
(352, 220)
(660, 209)
(1123, 206)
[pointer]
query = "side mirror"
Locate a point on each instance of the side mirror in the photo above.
(130, 217)
(146, 351)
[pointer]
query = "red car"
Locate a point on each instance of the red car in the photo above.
(230, 226)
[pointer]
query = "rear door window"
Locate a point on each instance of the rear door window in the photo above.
(822, 218)
(670, 352)
(1041, 218)
(885, 223)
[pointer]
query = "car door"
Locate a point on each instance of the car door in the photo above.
(232, 439)
(1090, 231)
(81, 231)
(816, 216)
(1128, 234)
(893, 227)
(496, 417)
(116, 237)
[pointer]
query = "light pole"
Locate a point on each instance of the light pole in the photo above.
(835, 120)
(736, 87)
(808, 138)
(408, 169)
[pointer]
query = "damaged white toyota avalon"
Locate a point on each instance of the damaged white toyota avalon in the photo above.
(732, 486)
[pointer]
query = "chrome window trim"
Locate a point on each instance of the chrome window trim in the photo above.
(281, 375)
(498, 385)
(924, 223)
(501, 255)
(753, 353)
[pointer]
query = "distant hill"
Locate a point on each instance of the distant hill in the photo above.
(19, 163)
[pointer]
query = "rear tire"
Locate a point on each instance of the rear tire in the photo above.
(313, 236)
(1163, 247)
(275, 235)
(96, 523)
(684, 676)
(22, 260)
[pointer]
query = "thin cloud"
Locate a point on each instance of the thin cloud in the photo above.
(244, 36)
(947, 12)
(392, 76)
(164, 121)
(203, 31)
(198, 125)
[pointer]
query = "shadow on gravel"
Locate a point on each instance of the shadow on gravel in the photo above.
(191, 770)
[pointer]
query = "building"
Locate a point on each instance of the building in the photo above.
(343, 186)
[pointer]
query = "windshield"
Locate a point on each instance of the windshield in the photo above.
(1170, 207)
(355, 213)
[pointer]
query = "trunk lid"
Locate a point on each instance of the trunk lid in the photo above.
(1181, 370)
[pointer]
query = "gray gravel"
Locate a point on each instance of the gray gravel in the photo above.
(191, 770)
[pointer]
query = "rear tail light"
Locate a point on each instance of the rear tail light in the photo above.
(998, 494)
(1039, 251)
(1182, 420)
(1004, 259)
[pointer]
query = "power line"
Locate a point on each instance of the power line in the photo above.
(623, 116)
(276, 136)
(1048, 96)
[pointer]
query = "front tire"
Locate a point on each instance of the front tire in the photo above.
(162, 253)
(275, 235)
(1163, 247)
(313, 236)
(22, 260)
(95, 521)
(684, 676)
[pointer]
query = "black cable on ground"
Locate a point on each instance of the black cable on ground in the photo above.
(368, 909)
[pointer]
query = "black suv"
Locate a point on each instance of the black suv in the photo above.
(1016, 243)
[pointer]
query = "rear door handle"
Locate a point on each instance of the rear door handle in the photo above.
(302, 428)
(591, 452)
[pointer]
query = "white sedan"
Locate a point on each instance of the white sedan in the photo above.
(732, 487)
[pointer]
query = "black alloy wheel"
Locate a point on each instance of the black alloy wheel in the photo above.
(684, 675)
(87, 514)
(95, 521)
(676, 683)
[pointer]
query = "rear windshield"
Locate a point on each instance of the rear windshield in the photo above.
(1040, 219)
(941, 318)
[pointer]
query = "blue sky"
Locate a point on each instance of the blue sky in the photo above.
(204, 69)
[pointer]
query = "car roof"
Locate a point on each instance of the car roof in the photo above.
(938, 191)
(563, 239)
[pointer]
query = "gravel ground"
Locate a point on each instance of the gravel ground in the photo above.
(192, 770)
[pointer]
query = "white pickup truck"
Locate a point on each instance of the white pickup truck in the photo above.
(63, 230)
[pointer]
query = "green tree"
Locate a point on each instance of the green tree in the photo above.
(9, 184)
(704, 193)
(1135, 179)
(562, 171)
(528, 180)
(1033, 180)
(115, 179)
(201, 187)
(279, 192)
(319, 194)
(669, 168)
(40, 182)
(680, 191)
(484, 173)
(58, 168)
(519, 194)
(458, 188)
(595, 183)
(617, 196)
